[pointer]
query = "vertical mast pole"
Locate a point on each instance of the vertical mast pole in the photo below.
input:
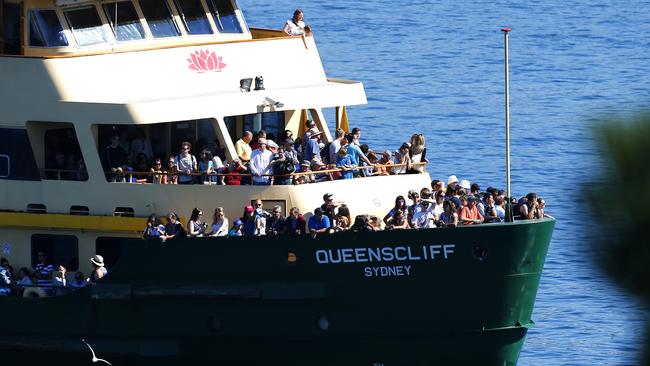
(507, 101)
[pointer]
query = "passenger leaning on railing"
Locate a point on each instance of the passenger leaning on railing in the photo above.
(185, 164)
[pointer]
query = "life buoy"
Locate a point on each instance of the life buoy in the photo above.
(34, 292)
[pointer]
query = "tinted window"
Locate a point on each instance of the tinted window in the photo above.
(17, 160)
(11, 21)
(86, 26)
(159, 18)
(45, 30)
(59, 249)
(63, 160)
(271, 122)
(128, 23)
(109, 248)
(193, 15)
(224, 16)
(5, 166)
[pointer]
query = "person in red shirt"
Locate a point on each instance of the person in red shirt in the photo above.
(233, 177)
(469, 215)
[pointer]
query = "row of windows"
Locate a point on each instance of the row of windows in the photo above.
(64, 250)
(125, 19)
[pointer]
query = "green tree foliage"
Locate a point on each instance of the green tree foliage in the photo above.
(620, 203)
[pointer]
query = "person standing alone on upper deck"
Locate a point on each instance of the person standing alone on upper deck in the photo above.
(243, 148)
(296, 25)
(260, 164)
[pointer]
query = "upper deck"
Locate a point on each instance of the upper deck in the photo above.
(138, 62)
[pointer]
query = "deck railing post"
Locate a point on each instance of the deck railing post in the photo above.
(509, 213)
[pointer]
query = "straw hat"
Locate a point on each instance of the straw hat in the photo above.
(98, 260)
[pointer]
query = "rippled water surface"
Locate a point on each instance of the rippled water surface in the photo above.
(436, 67)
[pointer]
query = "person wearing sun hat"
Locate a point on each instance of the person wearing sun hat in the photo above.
(100, 269)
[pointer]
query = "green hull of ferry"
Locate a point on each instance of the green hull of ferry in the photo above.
(446, 296)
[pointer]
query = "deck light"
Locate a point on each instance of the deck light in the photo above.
(245, 84)
(259, 83)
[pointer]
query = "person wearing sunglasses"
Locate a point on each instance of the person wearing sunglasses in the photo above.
(185, 164)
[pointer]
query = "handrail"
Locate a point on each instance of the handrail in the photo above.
(295, 174)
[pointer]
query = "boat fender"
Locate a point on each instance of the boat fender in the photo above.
(34, 292)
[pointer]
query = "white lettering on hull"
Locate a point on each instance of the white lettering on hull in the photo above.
(379, 256)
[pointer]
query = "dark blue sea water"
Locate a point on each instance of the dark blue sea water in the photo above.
(436, 67)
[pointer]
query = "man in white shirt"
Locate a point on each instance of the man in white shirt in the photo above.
(260, 164)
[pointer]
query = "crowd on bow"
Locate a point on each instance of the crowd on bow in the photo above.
(459, 203)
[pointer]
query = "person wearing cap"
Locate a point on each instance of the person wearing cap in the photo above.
(469, 214)
(260, 164)
(312, 148)
(282, 168)
(248, 221)
(316, 165)
(290, 152)
(236, 229)
(452, 181)
(99, 270)
(243, 148)
(319, 223)
(423, 218)
(329, 206)
(307, 177)
(272, 146)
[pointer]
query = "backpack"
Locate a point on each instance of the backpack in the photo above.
(325, 154)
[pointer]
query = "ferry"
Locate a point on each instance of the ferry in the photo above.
(75, 73)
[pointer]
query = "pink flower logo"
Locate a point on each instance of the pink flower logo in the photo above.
(204, 60)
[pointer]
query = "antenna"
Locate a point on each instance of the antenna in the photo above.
(507, 82)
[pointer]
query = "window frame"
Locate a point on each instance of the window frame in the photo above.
(206, 12)
(136, 7)
(62, 23)
(173, 15)
(240, 19)
(105, 27)
(8, 159)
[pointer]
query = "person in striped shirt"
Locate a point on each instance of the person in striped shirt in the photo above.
(43, 270)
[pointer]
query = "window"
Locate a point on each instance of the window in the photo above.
(194, 17)
(127, 26)
(109, 248)
(224, 16)
(159, 18)
(17, 158)
(86, 26)
(63, 159)
(45, 30)
(10, 32)
(59, 249)
(271, 122)
(5, 166)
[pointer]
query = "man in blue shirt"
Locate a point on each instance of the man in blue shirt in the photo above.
(312, 148)
(319, 223)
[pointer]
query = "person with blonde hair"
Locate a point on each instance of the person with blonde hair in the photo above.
(219, 223)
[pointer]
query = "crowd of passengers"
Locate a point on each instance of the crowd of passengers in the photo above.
(43, 280)
(459, 203)
(262, 161)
